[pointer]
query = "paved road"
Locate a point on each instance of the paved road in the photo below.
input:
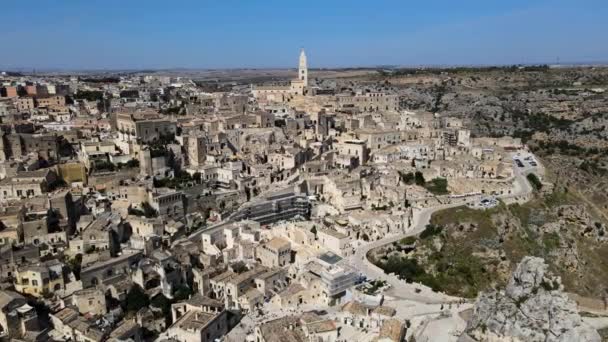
(400, 288)
(421, 218)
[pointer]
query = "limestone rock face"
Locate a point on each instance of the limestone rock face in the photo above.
(533, 307)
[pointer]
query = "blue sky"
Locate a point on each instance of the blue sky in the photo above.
(256, 33)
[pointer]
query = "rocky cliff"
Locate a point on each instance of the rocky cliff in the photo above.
(532, 307)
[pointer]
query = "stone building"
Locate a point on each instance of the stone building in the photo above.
(371, 101)
(57, 101)
(274, 253)
(168, 203)
(276, 206)
(283, 93)
(17, 318)
(71, 326)
(143, 227)
(196, 150)
(27, 184)
(8, 91)
(306, 327)
(90, 301)
(19, 145)
(41, 279)
(25, 104)
(108, 271)
(335, 242)
(143, 127)
(198, 319)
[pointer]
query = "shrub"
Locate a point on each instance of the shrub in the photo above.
(437, 186)
(136, 299)
(239, 267)
(534, 181)
(182, 292)
(419, 178)
(430, 230)
(408, 240)
(407, 178)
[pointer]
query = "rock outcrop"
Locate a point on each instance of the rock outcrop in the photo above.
(533, 307)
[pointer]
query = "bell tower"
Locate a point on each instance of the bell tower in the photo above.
(303, 68)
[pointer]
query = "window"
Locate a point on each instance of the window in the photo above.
(34, 282)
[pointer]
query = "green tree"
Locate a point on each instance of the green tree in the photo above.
(437, 186)
(136, 299)
(182, 292)
(103, 166)
(410, 240)
(239, 267)
(419, 178)
(75, 265)
(163, 303)
(197, 176)
(149, 212)
(534, 181)
(133, 163)
(89, 95)
(430, 230)
(407, 178)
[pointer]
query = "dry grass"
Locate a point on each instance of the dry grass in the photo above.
(465, 244)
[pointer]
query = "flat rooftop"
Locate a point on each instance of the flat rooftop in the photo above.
(330, 258)
(195, 320)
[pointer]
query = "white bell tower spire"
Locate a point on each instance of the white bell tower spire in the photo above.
(303, 68)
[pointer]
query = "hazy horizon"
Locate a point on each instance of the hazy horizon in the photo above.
(29, 71)
(155, 35)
